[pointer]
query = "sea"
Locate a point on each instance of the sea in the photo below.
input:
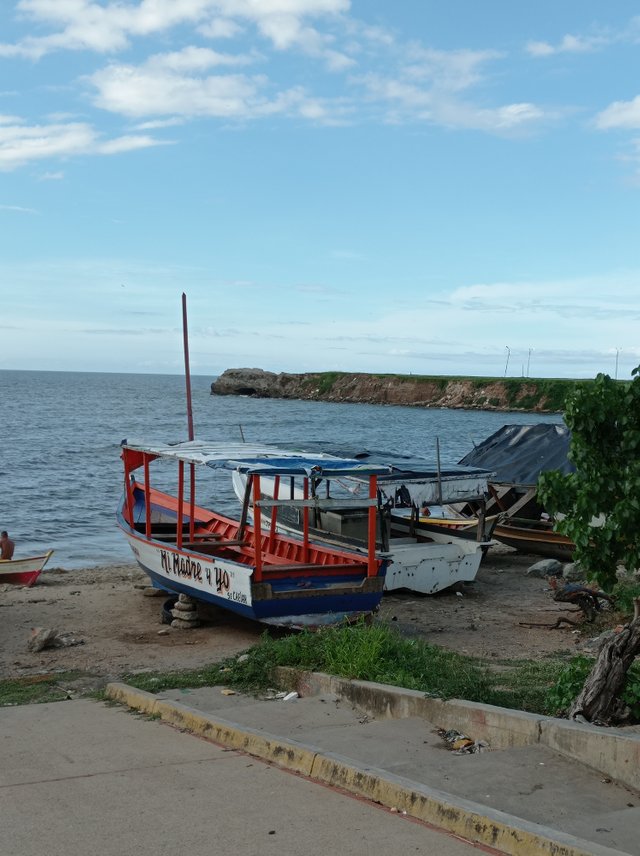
(60, 466)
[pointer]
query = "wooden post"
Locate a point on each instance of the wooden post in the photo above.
(180, 503)
(274, 513)
(439, 471)
(147, 499)
(305, 521)
(187, 373)
(373, 511)
(257, 530)
(128, 492)
(245, 508)
(192, 501)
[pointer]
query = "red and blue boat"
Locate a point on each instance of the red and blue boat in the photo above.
(234, 563)
(23, 572)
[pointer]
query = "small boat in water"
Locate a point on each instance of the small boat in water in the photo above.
(23, 572)
(263, 575)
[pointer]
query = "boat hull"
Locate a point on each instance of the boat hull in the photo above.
(539, 542)
(309, 600)
(23, 572)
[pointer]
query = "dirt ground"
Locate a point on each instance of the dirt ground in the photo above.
(120, 628)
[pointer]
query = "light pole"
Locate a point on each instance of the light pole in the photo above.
(506, 366)
(529, 360)
(617, 354)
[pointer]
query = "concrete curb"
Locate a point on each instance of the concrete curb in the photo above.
(469, 820)
(608, 750)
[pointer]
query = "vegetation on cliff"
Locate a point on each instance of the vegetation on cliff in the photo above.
(482, 393)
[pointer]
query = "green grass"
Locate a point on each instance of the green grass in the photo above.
(35, 689)
(377, 653)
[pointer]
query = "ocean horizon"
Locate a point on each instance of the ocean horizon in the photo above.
(62, 431)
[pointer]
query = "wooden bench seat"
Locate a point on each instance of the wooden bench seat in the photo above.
(314, 567)
(216, 543)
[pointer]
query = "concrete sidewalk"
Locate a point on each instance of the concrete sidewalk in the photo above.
(521, 799)
(80, 777)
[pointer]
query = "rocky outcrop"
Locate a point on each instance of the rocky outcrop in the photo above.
(419, 391)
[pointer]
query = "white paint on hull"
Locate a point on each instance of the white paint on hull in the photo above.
(219, 577)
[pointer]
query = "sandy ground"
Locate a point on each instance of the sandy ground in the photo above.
(118, 625)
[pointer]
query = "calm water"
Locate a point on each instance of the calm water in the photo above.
(61, 432)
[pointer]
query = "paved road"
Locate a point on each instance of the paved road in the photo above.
(80, 777)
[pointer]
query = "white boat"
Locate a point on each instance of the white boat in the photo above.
(420, 559)
(25, 571)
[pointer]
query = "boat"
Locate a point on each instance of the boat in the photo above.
(448, 521)
(534, 536)
(420, 558)
(186, 548)
(25, 571)
(518, 454)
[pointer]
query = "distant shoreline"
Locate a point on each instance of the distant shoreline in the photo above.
(533, 395)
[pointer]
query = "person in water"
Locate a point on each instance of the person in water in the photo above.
(6, 546)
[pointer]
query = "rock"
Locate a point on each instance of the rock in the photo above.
(181, 624)
(246, 382)
(150, 591)
(545, 568)
(185, 598)
(184, 608)
(42, 637)
(412, 390)
(243, 658)
(573, 573)
(67, 640)
(163, 632)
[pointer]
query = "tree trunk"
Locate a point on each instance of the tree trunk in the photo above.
(599, 699)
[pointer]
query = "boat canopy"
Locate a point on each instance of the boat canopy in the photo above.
(259, 460)
(412, 480)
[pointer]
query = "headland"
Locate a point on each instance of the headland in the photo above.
(536, 395)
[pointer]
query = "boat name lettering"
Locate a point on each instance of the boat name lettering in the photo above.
(237, 596)
(181, 566)
(222, 581)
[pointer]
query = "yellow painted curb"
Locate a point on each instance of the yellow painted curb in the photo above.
(471, 821)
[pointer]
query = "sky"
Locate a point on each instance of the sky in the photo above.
(409, 187)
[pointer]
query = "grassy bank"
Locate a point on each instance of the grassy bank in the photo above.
(378, 653)
(371, 653)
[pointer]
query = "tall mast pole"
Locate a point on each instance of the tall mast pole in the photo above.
(187, 373)
(192, 469)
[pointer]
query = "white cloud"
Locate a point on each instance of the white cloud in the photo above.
(18, 208)
(410, 102)
(174, 85)
(22, 143)
(450, 71)
(151, 90)
(620, 114)
(127, 144)
(106, 28)
(569, 44)
(220, 28)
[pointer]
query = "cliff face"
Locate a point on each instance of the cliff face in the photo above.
(472, 393)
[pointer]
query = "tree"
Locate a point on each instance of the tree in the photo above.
(604, 420)
(600, 504)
